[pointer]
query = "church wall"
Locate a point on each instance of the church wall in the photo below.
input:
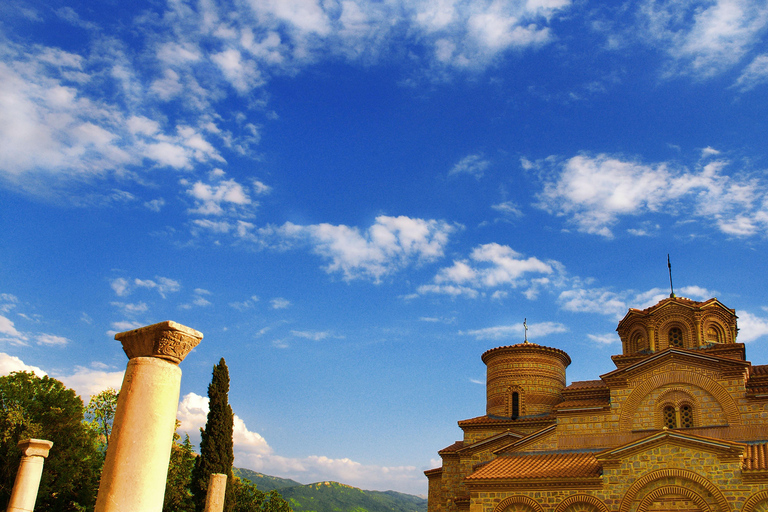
(663, 470)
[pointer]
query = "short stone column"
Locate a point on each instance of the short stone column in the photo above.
(24, 494)
(136, 465)
(217, 489)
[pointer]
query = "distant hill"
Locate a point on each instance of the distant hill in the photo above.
(333, 496)
(263, 482)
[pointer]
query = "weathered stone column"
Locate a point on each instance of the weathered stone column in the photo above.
(136, 465)
(24, 494)
(217, 488)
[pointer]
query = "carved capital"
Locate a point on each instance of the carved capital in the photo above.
(167, 340)
(35, 447)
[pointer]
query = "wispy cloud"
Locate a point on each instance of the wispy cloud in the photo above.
(516, 332)
(280, 303)
(474, 165)
(163, 285)
(489, 266)
(387, 246)
(595, 192)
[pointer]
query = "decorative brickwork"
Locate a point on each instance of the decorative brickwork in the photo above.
(680, 426)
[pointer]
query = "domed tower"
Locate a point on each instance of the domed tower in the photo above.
(524, 379)
(677, 322)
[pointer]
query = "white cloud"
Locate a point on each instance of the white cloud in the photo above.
(604, 339)
(51, 340)
(516, 332)
(131, 309)
(56, 130)
(751, 327)
(756, 73)
(163, 285)
(7, 328)
(509, 208)
(595, 192)
(211, 198)
(390, 244)
(474, 165)
(593, 300)
(123, 326)
(10, 364)
(703, 38)
(489, 266)
(280, 303)
(90, 381)
(312, 335)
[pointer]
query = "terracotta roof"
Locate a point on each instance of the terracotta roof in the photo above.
(584, 384)
(487, 420)
(549, 465)
(453, 448)
(589, 403)
(755, 457)
(433, 472)
(678, 300)
(528, 346)
(759, 369)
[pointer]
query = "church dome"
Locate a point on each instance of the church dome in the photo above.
(524, 379)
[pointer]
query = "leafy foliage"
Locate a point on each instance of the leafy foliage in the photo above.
(216, 450)
(101, 412)
(249, 499)
(44, 408)
(178, 495)
(336, 497)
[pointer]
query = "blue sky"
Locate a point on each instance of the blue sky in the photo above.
(353, 200)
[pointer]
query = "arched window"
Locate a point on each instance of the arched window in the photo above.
(670, 418)
(675, 337)
(712, 335)
(515, 405)
(677, 417)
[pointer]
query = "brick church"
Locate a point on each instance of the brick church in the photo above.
(680, 425)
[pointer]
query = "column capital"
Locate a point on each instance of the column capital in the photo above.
(165, 340)
(35, 447)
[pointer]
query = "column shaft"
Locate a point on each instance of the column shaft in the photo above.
(136, 466)
(217, 488)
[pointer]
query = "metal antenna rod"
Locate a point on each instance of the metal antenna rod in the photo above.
(671, 288)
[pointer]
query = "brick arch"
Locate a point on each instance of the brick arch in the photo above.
(673, 489)
(519, 499)
(722, 396)
(640, 483)
(581, 498)
(674, 318)
(754, 500)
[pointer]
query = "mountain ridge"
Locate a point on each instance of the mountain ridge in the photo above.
(329, 496)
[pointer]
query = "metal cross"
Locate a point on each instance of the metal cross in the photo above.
(525, 326)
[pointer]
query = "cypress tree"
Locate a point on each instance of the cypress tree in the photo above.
(216, 452)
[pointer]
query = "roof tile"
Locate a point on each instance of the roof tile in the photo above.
(550, 465)
(756, 457)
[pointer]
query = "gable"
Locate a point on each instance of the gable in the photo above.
(670, 448)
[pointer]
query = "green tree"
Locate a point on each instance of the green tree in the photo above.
(178, 496)
(45, 408)
(216, 451)
(101, 412)
(249, 499)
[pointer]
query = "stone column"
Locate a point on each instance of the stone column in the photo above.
(217, 488)
(24, 494)
(136, 465)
